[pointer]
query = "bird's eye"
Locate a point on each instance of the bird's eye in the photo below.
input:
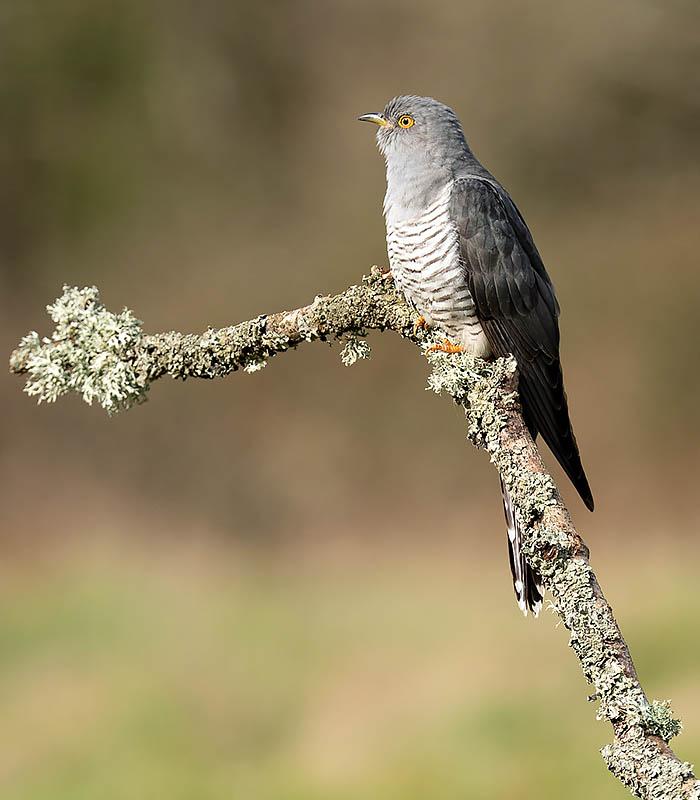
(406, 122)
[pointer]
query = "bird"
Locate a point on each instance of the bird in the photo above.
(462, 255)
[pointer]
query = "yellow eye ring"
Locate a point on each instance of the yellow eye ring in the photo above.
(406, 121)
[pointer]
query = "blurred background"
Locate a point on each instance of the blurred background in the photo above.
(294, 584)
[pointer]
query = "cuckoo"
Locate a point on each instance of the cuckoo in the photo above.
(461, 253)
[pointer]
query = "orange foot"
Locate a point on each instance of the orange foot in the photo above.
(446, 347)
(419, 324)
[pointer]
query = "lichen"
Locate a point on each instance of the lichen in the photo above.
(258, 343)
(635, 762)
(477, 385)
(657, 718)
(621, 697)
(452, 374)
(354, 350)
(271, 341)
(306, 332)
(89, 352)
(254, 366)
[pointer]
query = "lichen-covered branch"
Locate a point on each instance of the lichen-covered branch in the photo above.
(106, 357)
(639, 756)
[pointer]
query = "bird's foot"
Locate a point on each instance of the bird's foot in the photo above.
(420, 325)
(446, 347)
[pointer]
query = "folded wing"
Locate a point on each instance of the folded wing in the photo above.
(518, 310)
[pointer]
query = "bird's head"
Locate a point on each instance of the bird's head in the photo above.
(422, 129)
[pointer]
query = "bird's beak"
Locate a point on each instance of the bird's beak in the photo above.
(377, 119)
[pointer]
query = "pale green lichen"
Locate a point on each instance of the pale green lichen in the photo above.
(478, 386)
(635, 762)
(620, 695)
(451, 374)
(354, 350)
(268, 343)
(88, 353)
(657, 718)
(272, 342)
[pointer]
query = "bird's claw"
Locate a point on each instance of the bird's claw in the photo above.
(419, 325)
(446, 346)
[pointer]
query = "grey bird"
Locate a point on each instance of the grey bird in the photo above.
(462, 255)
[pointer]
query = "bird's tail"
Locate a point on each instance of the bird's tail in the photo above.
(526, 582)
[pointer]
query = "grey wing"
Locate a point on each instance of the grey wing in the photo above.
(518, 311)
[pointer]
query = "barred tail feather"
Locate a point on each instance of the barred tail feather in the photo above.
(526, 582)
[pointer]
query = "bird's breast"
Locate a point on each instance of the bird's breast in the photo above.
(424, 257)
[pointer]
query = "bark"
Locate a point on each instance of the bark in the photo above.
(106, 357)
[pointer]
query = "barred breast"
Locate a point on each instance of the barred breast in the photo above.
(425, 262)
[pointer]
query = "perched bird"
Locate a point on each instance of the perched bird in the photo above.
(462, 255)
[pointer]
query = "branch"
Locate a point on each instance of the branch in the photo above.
(105, 357)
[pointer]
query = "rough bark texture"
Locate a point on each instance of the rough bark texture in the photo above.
(105, 357)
